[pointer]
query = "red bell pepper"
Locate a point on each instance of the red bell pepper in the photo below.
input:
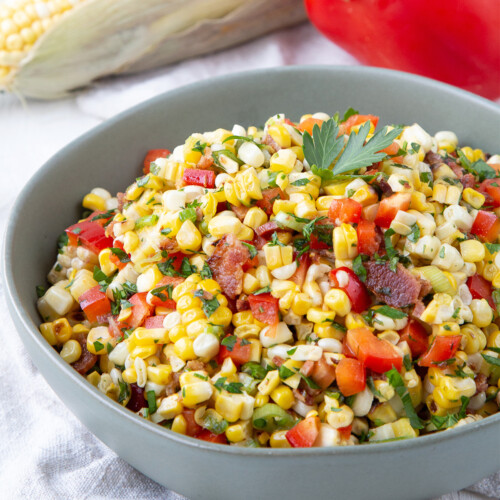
(323, 373)
(269, 196)
(345, 210)
(434, 39)
(95, 304)
(304, 433)
(486, 225)
(265, 308)
(154, 322)
(192, 428)
(416, 336)
(390, 206)
(300, 274)
(240, 354)
(152, 155)
(377, 354)
(368, 237)
(347, 280)
(351, 376)
(345, 432)
(90, 234)
(206, 435)
(441, 349)
(481, 288)
(198, 177)
(491, 187)
(140, 310)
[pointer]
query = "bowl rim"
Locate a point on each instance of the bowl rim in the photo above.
(30, 329)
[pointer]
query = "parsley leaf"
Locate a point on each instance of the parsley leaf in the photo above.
(323, 146)
(275, 241)
(102, 279)
(199, 147)
(415, 233)
(122, 256)
(266, 289)
(491, 360)
(186, 268)
(151, 398)
(124, 392)
(493, 247)
(350, 112)
(206, 272)
(301, 182)
(479, 168)
(252, 249)
(40, 291)
(285, 372)
(358, 268)
(254, 369)
(147, 220)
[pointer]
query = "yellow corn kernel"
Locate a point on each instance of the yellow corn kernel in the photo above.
(270, 382)
(473, 198)
(489, 271)
(273, 256)
(345, 242)
(255, 217)
(179, 424)
(328, 332)
(317, 315)
(494, 339)
(283, 396)
(482, 313)
(192, 315)
(354, 320)
(107, 266)
(337, 300)
(261, 400)
(62, 330)
(489, 408)
(133, 192)
(419, 202)
(402, 428)
(263, 275)
(188, 237)
(93, 202)
(129, 375)
(473, 339)
(446, 329)
(472, 250)
(229, 406)
(240, 431)
(159, 374)
(442, 401)
(170, 407)
(71, 351)
(246, 233)
(171, 223)
(94, 378)
(176, 333)
(196, 328)
(242, 318)
(284, 206)
(187, 303)
(383, 413)
(306, 209)
(301, 303)
(250, 283)
(278, 440)
(143, 351)
(196, 393)
(324, 202)
(222, 316)
(365, 195)
(183, 348)
(247, 331)
(47, 330)
(280, 135)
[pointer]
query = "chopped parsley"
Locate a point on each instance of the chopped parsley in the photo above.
(151, 399)
(122, 255)
(146, 220)
(390, 312)
(415, 233)
(451, 419)
(206, 272)
(230, 341)
(266, 289)
(358, 268)
(40, 291)
(251, 249)
(255, 370)
(301, 182)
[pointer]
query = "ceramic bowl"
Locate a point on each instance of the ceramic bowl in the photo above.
(109, 156)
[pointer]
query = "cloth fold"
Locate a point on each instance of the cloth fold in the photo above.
(45, 452)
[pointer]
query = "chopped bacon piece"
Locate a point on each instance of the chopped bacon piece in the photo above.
(87, 360)
(481, 383)
(240, 211)
(278, 361)
(206, 161)
(226, 264)
(269, 141)
(468, 181)
(242, 304)
(121, 197)
(397, 289)
(168, 244)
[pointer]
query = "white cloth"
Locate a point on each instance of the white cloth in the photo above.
(44, 450)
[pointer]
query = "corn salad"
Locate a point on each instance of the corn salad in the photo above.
(311, 283)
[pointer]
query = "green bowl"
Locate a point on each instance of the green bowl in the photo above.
(109, 156)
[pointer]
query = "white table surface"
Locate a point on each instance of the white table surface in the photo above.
(44, 450)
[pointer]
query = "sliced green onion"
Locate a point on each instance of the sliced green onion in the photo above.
(271, 417)
(437, 278)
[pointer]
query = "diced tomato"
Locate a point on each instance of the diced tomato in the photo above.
(481, 288)
(176, 259)
(198, 177)
(267, 229)
(152, 155)
(115, 327)
(250, 264)
(392, 150)
(206, 435)
(368, 238)
(352, 121)
(192, 428)
(114, 258)
(323, 373)
(161, 299)
(240, 354)
(351, 376)
(308, 124)
(140, 310)
(390, 206)
(264, 308)
(90, 235)
(314, 242)
(300, 274)
(346, 279)
(94, 303)
(345, 432)
(416, 336)
(486, 225)
(441, 349)
(304, 433)
(269, 196)
(96, 216)
(492, 188)
(154, 322)
(345, 210)
(377, 354)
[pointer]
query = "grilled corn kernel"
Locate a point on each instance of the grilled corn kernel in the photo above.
(71, 351)
(179, 424)
(93, 202)
(229, 406)
(188, 237)
(278, 440)
(317, 315)
(255, 217)
(270, 382)
(159, 374)
(283, 396)
(481, 312)
(196, 393)
(337, 300)
(240, 431)
(183, 348)
(280, 135)
(473, 198)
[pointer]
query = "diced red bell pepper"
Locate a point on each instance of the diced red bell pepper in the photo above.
(300, 274)
(390, 206)
(346, 279)
(368, 237)
(154, 322)
(486, 225)
(492, 188)
(308, 124)
(304, 433)
(162, 300)
(314, 242)
(416, 336)
(90, 235)
(152, 155)
(198, 177)
(140, 310)
(269, 196)
(345, 432)
(441, 349)
(351, 376)
(115, 327)
(354, 120)
(345, 210)
(481, 288)
(95, 304)
(323, 373)
(192, 428)
(176, 259)
(377, 354)
(206, 435)
(267, 229)
(240, 354)
(264, 308)
(114, 258)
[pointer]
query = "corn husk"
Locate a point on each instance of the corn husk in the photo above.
(97, 38)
